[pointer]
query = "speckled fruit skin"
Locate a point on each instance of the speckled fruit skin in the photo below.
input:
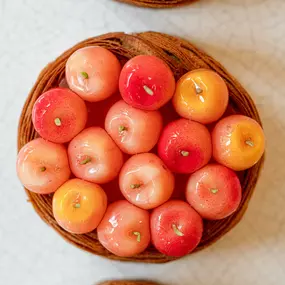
(78, 206)
(133, 130)
(93, 156)
(177, 215)
(185, 146)
(119, 229)
(155, 181)
(62, 104)
(93, 73)
(201, 95)
(146, 82)
(214, 191)
(238, 142)
(42, 166)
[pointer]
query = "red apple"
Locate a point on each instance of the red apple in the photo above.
(124, 230)
(176, 228)
(214, 191)
(185, 146)
(145, 181)
(59, 115)
(133, 130)
(93, 73)
(94, 156)
(42, 166)
(146, 82)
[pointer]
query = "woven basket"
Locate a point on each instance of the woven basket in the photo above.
(128, 282)
(157, 3)
(181, 56)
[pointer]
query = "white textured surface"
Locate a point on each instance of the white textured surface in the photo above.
(247, 36)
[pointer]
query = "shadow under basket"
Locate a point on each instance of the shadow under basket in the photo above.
(157, 3)
(181, 56)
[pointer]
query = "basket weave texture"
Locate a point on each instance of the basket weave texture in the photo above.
(181, 56)
(128, 282)
(157, 3)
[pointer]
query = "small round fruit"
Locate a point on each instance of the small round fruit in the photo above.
(93, 156)
(145, 181)
(79, 206)
(176, 228)
(93, 73)
(42, 166)
(124, 230)
(59, 115)
(214, 191)
(185, 146)
(133, 130)
(146, 82)
(238, 142)
(201, 95)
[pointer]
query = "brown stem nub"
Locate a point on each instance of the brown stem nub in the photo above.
(84, 75)
(122, 128)
(138, 234)
(184, 153)
(134, 186)
(177, 231)
(85, 161)
(57, 122)
(250, 143)
(43, 169)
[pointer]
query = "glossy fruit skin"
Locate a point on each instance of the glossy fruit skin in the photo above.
(186, 220)
(238, 142)
(155, 181)
(185, 146)
(214, 191)
(93, 73)
(201, 95)
(133, 130)
(62, 104)
(92, 202)
(42, 166)
(94, 144)
(146, 82)
(116, 230)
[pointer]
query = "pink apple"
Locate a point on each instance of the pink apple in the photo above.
(42, 166)
(133, 130)
(124, 230)
(59, 115)
(146, 82)
(145, 181)
(214, 191)
(94, 156)
(93, 73)
(176, 228)
(185, 146)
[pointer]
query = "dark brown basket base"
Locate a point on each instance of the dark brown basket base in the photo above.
(181, 56)
(157, 3)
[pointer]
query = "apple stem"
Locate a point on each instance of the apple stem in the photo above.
(122, 128)
(184, 153)
(214, 190)
(250, 143)
(138, 234)
(84, 75)
(77, 205)
(177, 231)
(85, 161)
(148, 90)
(57, 122)
(134, 186)
(198, 89)
(43, 169)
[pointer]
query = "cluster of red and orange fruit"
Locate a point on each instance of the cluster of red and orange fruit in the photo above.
(141, 146)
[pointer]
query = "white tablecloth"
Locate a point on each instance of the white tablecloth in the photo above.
(247, 36)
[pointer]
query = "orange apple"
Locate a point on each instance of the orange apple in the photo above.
(201, 95)
(79, 206)
(238, 142)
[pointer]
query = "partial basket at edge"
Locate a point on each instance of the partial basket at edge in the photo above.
(181, 56)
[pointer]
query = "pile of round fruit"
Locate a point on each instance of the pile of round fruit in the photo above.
(138, 144)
